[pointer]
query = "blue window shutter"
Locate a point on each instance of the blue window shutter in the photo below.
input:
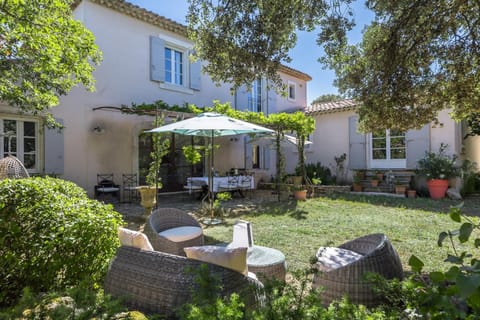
(196, 75)
(248, 153)
(357, 145)
(54, 150)
(418, 141)
(266, 158)
(157, 59)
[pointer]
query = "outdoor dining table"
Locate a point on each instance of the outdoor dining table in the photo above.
(217, 182)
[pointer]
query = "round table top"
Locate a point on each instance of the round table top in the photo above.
(261, 256)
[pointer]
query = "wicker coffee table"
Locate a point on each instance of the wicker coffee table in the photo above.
(266, 263)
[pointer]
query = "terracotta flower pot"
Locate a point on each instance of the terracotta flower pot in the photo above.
(357, 187)
(437, 188)
(412, 193)
(374, 183)
(399, 189)
(300, 195)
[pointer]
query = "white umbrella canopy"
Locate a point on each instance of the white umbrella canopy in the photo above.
(211, 124)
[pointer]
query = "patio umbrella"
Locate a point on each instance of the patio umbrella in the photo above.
(211, 124)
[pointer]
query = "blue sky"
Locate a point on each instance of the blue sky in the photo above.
(304, 55)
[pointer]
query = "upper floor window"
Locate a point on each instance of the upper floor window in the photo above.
(292, 90)
(20, 139)
(255, 97)
(171, 67)
(174, 66)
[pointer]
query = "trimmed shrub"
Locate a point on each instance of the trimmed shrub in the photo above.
(52, 236)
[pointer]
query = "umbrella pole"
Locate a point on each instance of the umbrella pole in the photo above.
(210, 183)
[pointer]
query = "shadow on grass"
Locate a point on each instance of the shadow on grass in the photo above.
(471, 207)
(283, 208)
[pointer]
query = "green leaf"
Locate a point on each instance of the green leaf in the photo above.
(441, 237)
(455, 215)
(416, 264)
(468, 285)
(437, 276)
(452, 273)
(465, 231)
(476, 243)
(453, 259)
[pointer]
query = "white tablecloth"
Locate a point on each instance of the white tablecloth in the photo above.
(217, 181)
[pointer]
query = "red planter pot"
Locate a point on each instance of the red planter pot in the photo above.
(437, 188)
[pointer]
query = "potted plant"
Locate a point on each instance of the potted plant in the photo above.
(379, 174)
(438, 168)
(300, 192)
(374, 181)
(400, 187)
(411, 193)
(357, 180)
(148, 193)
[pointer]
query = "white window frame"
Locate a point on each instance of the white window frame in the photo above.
(291, 85)
(385, 163)
(20, 140)
(256, 96)
(173, 64)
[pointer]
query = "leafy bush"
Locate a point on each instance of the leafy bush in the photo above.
(317, 171)
(438, 165)
(78, 302)
(52, 236)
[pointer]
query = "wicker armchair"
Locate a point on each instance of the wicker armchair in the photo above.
(12, 168)
(163, 219)
(377, 255)
(157, 282)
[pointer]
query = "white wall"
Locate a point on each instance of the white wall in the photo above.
(123, 78)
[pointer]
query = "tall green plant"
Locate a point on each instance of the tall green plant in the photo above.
(52, 236)
(160, 148)
(455, 293)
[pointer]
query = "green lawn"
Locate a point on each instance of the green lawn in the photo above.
(298, 229)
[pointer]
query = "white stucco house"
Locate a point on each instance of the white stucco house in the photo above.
(336, 133)
(145, 59)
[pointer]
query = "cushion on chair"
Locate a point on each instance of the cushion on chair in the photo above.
(330, 258)
(231, 258)
(134, 239)
(180, 234)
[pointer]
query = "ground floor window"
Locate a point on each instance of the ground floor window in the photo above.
(388, 149)
(20, 138)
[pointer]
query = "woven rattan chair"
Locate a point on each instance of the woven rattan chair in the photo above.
(12, 168)
(157, 282)
(163, 219)
(377, 255)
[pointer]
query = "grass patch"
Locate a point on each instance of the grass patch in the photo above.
(299, 228)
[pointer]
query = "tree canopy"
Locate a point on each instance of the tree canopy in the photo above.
(415, 59)
(44, 53)
(244, 40)
(327, 98)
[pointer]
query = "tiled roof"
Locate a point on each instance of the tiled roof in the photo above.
(328, 107)
(150, 17)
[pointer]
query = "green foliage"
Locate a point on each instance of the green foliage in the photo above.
(206, 300)
(438, 165)
(192, 154)
(52, 236)
(455, 293)
(327, 98)
(76, 303)
(160, 148)
(44, 53)
(216, 210)
(415, 59)
(471, 178)
(252, 38)
(316, 171)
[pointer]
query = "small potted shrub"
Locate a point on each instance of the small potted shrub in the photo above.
(400, 187)
(357, 181)
(300, 192)
(374, 181)
(379, 174)
(438, 168)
